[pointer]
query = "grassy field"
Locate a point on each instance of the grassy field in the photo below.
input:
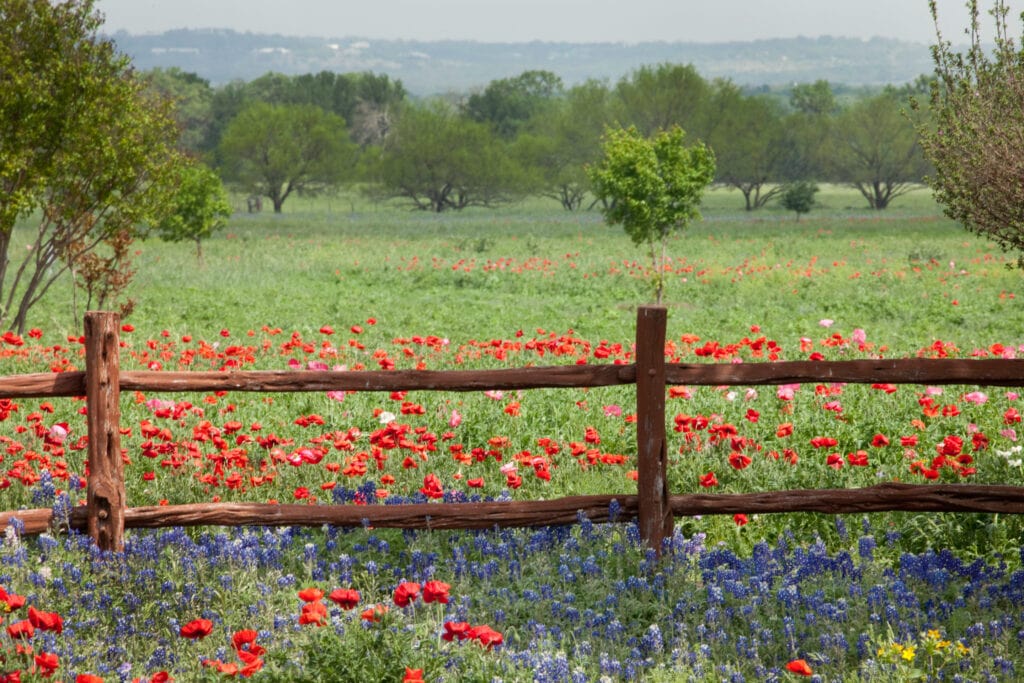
(339, 282)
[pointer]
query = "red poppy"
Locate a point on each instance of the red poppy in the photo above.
(740, 519)
(310, 594)
(88, 678)
(413, 675)
(436, 591)
(21, 629)
(345, 598)
(485, 635)
(197, 629)
(406, 593)
(800, 667)
(313, 613)
(858, 459)
(739, 461)
(46, 663)
(46, 621)
(708, 480)
(880, 440)
(374, 613)
(245, 641)
(455, 629)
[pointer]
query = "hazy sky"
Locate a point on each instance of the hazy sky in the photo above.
(552, 20)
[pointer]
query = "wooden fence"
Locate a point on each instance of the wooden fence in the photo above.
(106, 514)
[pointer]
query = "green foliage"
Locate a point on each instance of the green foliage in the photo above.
(441, 161)
(875, 149)
(192, 97)
(508, 104)
(276, 150)
(816, 98)
(655, 98)
(749, 145)
(80, 140)
(799, 197)
(199, 207)
(973, 137)
(652, 186)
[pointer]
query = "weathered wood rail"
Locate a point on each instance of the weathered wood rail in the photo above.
(106, 514)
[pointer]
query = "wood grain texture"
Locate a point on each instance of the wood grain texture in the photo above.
(105, 489)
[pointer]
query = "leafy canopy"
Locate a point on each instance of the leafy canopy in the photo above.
(85, 149)
(652, 187)
(974, 138)
(198, 208)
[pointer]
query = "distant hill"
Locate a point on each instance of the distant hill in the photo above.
(425, 68)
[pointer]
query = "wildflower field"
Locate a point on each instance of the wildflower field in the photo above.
(344, 284)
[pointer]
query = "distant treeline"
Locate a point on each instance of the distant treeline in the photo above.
(531, 134)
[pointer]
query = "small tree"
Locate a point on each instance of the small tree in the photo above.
(652, 187)
(198, 209)
(799, 197)
(86, 153)
(974, 136)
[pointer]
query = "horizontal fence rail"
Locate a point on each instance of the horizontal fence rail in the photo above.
(106, 514)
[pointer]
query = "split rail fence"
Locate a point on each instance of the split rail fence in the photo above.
(106, 514)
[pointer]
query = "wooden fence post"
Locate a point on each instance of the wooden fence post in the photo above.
(106, 498)
(654, 513)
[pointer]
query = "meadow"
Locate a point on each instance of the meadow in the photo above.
(337, 282)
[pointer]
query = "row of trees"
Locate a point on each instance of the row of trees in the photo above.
(530, 134)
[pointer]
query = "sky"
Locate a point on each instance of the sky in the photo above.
(574, 21)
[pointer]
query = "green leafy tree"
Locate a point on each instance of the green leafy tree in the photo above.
(85, 149)
(655, 98)
(562, 141)
(815, 98)
(441, 161)
(799, 197)
(192, 97)
(875, 149)
(508, 104)
(654, 187)
(750, 148)
(974, 134)
(198, 208)
(276, 150)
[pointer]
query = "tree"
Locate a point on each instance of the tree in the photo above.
(813, 98)
(508, 104)
(655, 98)
(275, 150)
(799, 197)
(875, 149)
(975, 132)
(563, 140)
(198, 208)
(654, 186)
(441, 161)
(84, 147)
(749, 148)
(192, 97)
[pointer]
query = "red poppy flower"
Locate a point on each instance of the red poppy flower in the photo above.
(738, 461)
(436, 591)
(345, 598)
(374, 613)
(46, 621)
(880, 440)
(800, 667)
(88, 678)
(46, 663)
(197, 629)
(245, 641)
(708, 480)
(313, 613)
(740, 519)
(406, 593)
(485, 635)
(413, 675)
(455, 629)
(310, 594)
